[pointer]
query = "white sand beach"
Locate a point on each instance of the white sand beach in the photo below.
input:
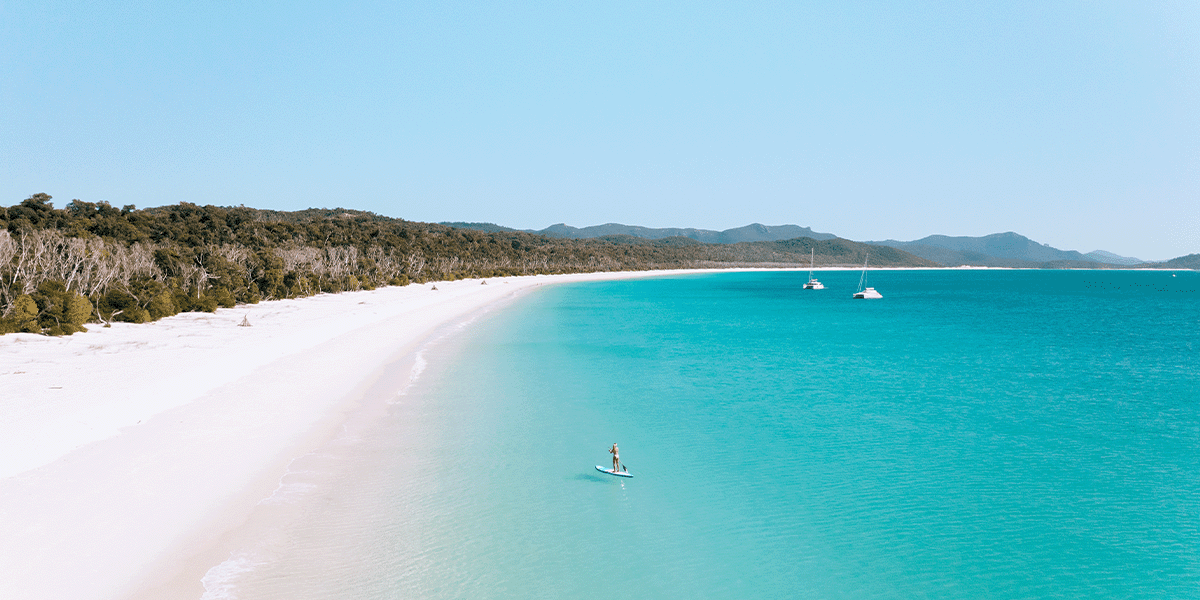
(126, 451)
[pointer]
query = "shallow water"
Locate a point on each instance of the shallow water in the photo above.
(974, 434)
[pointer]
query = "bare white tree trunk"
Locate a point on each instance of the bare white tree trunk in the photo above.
(8, 251)
(416, 264)
(293, 258)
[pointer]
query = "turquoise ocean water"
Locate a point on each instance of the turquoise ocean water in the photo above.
(974, 434)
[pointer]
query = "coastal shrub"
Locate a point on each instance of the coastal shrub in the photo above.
(79, 311)
(22, 318)
(59, 311)
(222, 297)
(298, 287)
(274, 284)
(7, 325)
(115, 303)
(205, 304)
(193, 302)
(120, 305)
(182, 299)
(162, 305)
(134, 314)
(290, 285)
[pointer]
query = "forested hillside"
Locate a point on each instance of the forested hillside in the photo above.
(1191, 261)
(92, 262)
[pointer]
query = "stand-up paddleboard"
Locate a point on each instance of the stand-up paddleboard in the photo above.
(612, 472)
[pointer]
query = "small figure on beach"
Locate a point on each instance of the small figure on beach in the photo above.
(616, 457)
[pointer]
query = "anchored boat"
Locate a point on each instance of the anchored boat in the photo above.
(812, 284)
(866, 292)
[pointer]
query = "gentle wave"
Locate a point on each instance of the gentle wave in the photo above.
(220, 582)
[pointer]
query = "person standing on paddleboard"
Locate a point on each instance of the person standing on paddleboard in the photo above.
(616, 457)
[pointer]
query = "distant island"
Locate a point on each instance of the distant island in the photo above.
(1012, 250)
(1006, 250)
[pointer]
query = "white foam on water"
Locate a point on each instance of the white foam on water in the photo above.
(220, 581)
(465, 323)
(419, 364)
(285, 492)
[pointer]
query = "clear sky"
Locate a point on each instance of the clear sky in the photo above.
(1074, 123)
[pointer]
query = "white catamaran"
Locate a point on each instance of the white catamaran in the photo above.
(812, 284)
(862, 291)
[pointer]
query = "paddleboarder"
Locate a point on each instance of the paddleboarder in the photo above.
(618, 469)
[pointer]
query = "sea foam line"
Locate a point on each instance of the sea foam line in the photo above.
(419, 364)
(219, 581)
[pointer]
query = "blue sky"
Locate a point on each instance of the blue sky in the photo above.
(1074, 123)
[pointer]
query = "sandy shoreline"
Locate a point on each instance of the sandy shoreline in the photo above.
(127, 453)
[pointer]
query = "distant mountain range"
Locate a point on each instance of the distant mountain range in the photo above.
(1191, 261)
(1112, 259)
(997, 250)
(755, 232)
(1004, 250)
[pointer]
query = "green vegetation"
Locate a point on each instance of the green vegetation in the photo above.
(1191, 261)
(92, 262)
